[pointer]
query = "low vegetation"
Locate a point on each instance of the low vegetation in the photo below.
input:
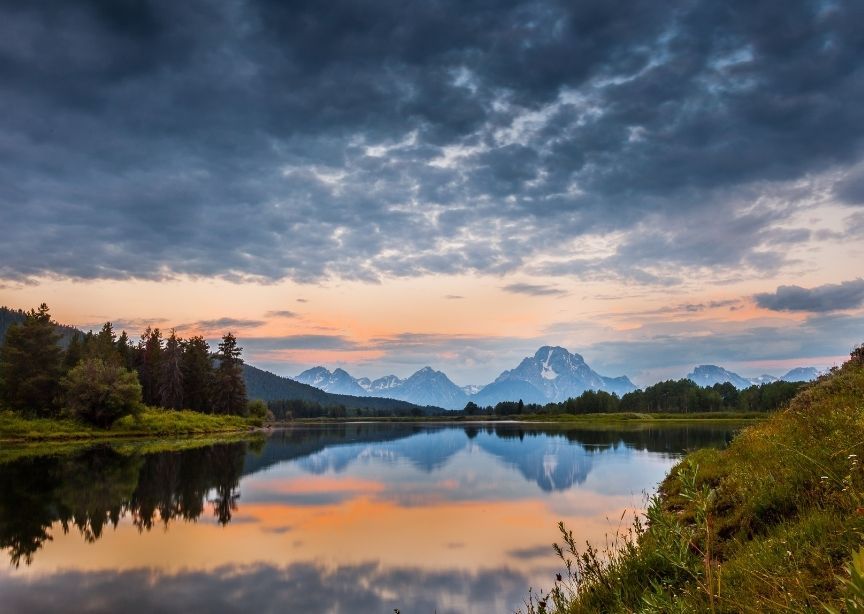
(149, 422)
(772, 523)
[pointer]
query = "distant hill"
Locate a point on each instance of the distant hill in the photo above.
(337, 382)
(801, 374)
(268, 386)
(708, 375)
(8, 317)
(426, 387)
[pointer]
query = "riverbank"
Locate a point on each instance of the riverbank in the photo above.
(151, 422)
(769, 524)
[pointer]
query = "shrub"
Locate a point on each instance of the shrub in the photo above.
(100, 393)
(256, 408)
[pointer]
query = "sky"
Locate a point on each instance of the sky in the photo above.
(381, 185)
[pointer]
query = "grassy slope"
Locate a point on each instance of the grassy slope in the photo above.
(151, 422)
(768, 524)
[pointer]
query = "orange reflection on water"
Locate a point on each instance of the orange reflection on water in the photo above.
(470, 535)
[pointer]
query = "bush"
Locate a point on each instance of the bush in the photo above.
(101, 393)
(256, 408)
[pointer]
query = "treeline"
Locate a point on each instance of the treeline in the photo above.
(681, 396)
(291, 409)
(101, 377)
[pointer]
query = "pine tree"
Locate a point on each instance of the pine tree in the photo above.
(31, 364)
(149, 364)
(103, 345)
(197, 374)
(125, 351)
(229, 395)
(171, 374)
(74, 352)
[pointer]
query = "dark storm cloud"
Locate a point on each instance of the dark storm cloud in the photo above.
(830, 297)
(262, 140)
(533, 289)
(851, 188)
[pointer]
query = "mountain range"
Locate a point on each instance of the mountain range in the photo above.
(708, 375)
(552, 374)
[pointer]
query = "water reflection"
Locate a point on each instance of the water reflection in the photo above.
(301, 587)
(94, 488)
(349, 517)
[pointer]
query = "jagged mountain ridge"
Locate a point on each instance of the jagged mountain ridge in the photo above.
(425, 387)
(708, 375)
(551, 374)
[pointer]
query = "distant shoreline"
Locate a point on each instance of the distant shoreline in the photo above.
(607, 418)
(155, 424)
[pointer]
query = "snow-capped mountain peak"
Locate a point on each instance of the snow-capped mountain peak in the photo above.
(552, 374)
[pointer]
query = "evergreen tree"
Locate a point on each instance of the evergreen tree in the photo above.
(197, 374)
(171, 375)
(103, 345)
(74, 353)
(229, 394)
(149, 364)
(125, 351)
(31, 364)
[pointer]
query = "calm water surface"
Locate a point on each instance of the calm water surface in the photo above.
(340, 518)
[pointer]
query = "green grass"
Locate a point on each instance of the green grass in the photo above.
(152, 422)
(769, 524)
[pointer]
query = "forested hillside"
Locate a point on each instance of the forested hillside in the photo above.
(8, 317)
(268, 386)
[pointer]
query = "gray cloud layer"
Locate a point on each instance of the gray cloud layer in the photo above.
(830, 297)
(268, 139)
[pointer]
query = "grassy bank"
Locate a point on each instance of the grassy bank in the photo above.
(152, 422)
(769, 524)
(12, 451)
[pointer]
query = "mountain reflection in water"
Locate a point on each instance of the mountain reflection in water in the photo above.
(347, 517)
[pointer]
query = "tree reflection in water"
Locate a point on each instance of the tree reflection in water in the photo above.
(97, 486)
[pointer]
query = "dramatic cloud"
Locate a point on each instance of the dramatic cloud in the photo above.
(262, 140)
(851, 188)
(830, 297)
(534, 289)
